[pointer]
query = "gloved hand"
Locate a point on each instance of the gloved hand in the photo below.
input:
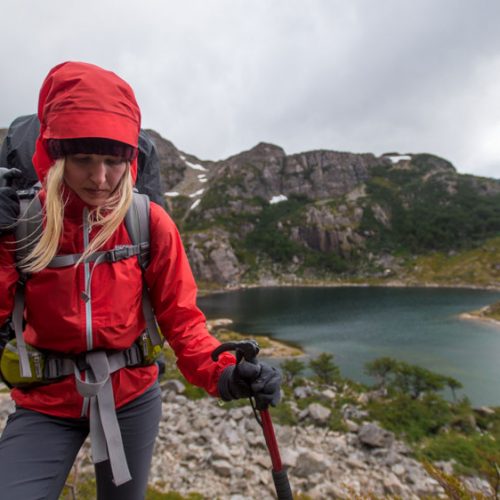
(9, 209)
(259, 380)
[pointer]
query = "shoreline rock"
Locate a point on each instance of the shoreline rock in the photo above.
(269, 347)
(479, 315)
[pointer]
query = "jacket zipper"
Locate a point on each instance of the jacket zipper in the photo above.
(88, 303)
(86, 268)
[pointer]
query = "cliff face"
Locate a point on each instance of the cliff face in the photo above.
(263, 216)
(266, 171)
(326, 215)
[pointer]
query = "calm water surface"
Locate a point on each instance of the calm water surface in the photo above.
(416, 325)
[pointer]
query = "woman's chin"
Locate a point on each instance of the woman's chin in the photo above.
(93, 199)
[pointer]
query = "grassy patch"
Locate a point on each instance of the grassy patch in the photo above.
(85, 489)
(473, 453)
(477, 266)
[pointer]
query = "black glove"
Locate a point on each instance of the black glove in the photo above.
(9, 209)
(243, 380)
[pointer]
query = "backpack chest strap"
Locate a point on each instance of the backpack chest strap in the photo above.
(116, 254)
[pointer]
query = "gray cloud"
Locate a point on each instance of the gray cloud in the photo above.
(216, 77)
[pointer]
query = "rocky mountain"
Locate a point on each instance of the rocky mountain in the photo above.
(265, 217)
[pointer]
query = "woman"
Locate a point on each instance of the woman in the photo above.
(86, 159)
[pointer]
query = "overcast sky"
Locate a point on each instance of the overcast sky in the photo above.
(218, 76)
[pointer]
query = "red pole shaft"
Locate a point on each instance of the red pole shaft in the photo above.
(272, 444)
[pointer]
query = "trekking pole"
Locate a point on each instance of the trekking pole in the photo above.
(248, 350)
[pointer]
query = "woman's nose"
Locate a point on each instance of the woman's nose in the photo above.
(98, 173)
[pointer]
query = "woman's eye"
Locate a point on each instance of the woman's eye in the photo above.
(114, 162)
(82, 160)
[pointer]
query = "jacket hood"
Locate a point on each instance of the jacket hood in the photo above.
(81, 100)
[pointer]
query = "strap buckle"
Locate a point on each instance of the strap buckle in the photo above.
(22, 278)
(53, 367)
(133, 355)
(121, 252)
(81, 362)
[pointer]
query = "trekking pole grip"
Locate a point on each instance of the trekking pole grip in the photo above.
(244, 349)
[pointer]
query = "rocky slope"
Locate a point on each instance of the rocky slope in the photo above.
(221, 453)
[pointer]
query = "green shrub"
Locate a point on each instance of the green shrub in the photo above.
(381, 369)
(412, 418)
(443, 212)
(270, 235)
(291, 369)
(413, 380)
(326, 371)
(282, 414)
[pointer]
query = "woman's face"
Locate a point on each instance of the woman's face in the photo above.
(93, 177)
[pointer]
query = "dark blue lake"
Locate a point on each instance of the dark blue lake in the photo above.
(357, 324)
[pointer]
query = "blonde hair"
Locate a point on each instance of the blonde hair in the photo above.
(108, 217)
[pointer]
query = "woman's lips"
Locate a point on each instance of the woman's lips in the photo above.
(96, 192)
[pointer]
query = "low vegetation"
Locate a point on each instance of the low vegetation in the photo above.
(430, 211)
(409, 401)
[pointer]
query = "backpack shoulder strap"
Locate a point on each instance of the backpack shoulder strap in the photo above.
(28, 232)
(30, 223)
(137, 223)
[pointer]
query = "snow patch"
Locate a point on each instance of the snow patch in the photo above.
(197, 193)
(278, 199)
(182, 157)
(398, 158)
(195, 204)
(195, 166)
(203, 180)
(172, 194)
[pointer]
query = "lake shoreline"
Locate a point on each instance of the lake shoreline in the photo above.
(343, 284)
(415, 324)
(479, 316)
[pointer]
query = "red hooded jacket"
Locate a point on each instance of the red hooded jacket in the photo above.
(97, 103)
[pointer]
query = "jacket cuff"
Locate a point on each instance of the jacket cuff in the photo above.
(224, 382)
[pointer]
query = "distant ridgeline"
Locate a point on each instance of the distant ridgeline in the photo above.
(266, 217)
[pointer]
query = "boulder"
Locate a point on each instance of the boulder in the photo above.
(485, 411)
(353, 412)
(302, 392)
(328, 393)
(351, 426)
(176, 386)
(319, 413)
(310, 462)
(222, 467)
(372, 435)
(392, 484)
(289, 457)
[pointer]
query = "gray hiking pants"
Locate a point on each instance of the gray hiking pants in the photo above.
(37, 451)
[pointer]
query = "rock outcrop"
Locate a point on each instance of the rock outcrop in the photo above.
(212, 257)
